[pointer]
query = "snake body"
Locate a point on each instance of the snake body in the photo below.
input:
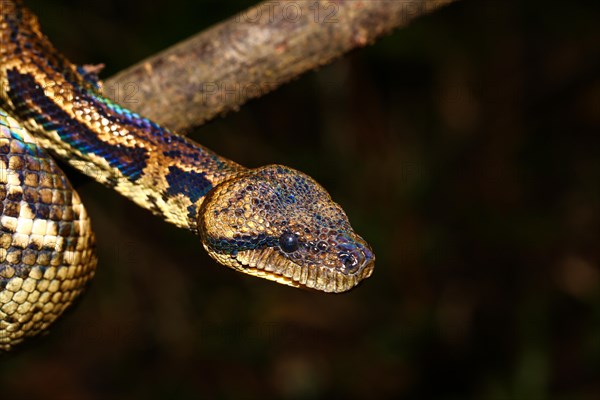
(273, 222)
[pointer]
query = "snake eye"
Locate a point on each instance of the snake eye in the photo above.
(288, 242)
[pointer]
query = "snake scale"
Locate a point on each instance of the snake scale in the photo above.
(272, 222)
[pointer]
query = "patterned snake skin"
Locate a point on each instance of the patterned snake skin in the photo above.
(272, 222)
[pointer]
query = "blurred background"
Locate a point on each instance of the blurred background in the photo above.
(464, 148)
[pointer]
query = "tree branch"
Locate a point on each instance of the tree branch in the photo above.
(252, 53)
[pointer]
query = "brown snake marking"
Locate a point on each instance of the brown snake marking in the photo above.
(272, 222)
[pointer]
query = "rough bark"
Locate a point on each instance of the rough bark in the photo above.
(252, 53)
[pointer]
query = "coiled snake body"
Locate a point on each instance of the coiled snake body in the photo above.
(272, 222)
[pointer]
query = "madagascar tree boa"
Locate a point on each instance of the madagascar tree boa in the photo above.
(272, 222)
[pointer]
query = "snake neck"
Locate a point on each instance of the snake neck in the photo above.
(61, 103)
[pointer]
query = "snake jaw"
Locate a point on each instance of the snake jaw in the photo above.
(268, 264)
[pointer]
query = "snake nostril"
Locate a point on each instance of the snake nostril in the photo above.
(352, 260)
(349, 261)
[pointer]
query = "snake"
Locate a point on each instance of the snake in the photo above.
(272, 222)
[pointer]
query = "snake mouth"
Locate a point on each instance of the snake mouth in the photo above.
(269, 264)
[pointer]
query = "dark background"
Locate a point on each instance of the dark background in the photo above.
(464, 148)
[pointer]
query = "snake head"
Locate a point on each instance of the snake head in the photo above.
(279, 224)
